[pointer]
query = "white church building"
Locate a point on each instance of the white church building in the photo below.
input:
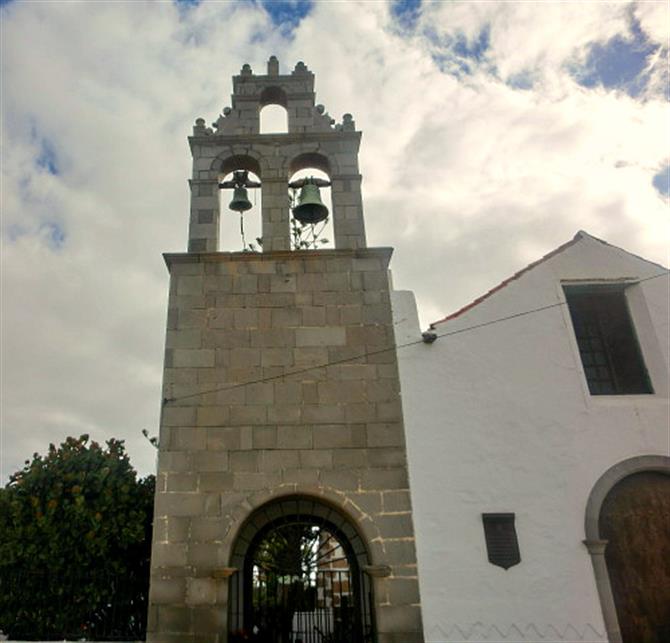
(537, 431)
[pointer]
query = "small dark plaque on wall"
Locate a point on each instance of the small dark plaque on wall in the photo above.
(501, 541)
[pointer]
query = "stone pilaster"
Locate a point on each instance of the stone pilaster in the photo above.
(203, 230)
(275, 207)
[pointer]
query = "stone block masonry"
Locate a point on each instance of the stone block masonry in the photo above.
(280, 381)
(280, 378)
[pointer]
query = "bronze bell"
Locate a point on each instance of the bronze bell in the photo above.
(240, 202)
(310, 209)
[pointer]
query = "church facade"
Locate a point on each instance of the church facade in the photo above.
(328, 473)
(541, 413)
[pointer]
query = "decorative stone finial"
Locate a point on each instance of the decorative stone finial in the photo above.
(348, 123)
(273, 66)
(300, 68)
(320, 108)
(227, 111)
(199, 129)
(246, 70)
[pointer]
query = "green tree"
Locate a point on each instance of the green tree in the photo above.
(75, 538)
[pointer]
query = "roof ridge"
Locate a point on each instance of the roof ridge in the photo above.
(581, 234)
(475, 302)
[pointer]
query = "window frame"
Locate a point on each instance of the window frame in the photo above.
(619, 287)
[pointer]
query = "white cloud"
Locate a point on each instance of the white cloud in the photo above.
(654, 17)
(475, 178)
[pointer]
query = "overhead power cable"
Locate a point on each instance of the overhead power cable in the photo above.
(346, 360)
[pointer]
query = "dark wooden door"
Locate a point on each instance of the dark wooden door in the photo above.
(635, 519)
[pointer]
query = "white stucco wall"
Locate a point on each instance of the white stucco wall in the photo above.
(499, 419)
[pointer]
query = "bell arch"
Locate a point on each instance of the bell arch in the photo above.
(227, 162)
(300, 574)
(310, 159)
(311, 232)
(239, 228)
(594, 542)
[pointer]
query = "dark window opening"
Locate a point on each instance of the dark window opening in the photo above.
(607, 343)
(502, 545)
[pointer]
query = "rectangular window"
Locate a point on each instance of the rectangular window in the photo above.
(607, 342)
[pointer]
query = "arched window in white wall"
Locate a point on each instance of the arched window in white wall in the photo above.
(318, 235)
(273, 120)
(240, 231)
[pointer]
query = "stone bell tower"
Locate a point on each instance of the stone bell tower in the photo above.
(281, 411)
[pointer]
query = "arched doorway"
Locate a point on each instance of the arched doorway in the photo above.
(300, 577)
(635, 520)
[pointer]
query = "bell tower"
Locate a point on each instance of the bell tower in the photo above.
(282, 509)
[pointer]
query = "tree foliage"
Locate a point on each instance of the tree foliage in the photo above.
(75, 538)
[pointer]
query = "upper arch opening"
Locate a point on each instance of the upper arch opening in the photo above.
(273, 111)
(273, 96)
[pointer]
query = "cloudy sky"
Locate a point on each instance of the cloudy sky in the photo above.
(492, 132)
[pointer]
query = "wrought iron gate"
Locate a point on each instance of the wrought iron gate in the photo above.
(301, 583)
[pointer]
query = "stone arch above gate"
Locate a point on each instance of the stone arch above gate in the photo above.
(323, 497)
(593, 541)
(302, 570)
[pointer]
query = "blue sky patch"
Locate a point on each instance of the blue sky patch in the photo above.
(53, 233)
(619, 63)
(661, 181)
(406, 12)
(476, 49)
(186, 4)
(522, 80)
(47, 159)
(458, 56)
(287, 14)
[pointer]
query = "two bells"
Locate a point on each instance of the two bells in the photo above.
(310, 208)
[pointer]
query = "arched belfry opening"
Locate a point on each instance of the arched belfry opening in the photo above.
(315, 230)
(300, 576)
(240, 203)
(241, 206)
(273, 111)
(281, 405)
